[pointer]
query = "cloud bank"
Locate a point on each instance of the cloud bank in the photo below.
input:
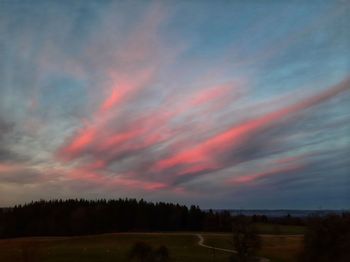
(226, 106)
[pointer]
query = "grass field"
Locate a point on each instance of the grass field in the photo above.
(277, 248)
(265, 228)
(111, 247)
(115, 247)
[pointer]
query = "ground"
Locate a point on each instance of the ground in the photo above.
(114, 247)
(277, 248)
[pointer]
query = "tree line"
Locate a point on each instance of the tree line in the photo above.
(82, 217)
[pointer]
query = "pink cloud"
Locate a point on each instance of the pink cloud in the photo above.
(105, 142)
(274, 171)
(209, 149)
(119, 180)
(80, 141)
(124, 87)
(8, 168)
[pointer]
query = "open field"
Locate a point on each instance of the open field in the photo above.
(275, 229)
(277, 248)
(115, 247)
(111, 247)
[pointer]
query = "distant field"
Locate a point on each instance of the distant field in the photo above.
(115, 247)
(265, 228)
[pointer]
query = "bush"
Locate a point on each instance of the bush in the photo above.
(143, 252)
(161, 254)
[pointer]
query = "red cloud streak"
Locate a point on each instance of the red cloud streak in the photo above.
(206, 151)
(250, 178)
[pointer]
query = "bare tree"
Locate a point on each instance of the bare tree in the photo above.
(245, 239)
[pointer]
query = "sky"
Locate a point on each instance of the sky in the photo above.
(223, 104)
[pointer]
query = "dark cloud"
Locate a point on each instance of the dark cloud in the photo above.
(21, 177)
(5, 153)
(5, 127)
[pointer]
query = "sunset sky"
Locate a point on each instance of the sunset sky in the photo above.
(224, 104)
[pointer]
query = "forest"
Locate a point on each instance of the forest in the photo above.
(84, 217)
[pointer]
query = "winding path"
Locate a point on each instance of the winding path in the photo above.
(201, 243)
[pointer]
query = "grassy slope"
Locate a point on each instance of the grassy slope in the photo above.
(115, 247)
(102, 248)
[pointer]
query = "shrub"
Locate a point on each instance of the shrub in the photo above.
(143, 252)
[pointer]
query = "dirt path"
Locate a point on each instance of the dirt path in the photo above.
(201, 243)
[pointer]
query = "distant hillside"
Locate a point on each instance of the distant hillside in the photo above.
(285, 212)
